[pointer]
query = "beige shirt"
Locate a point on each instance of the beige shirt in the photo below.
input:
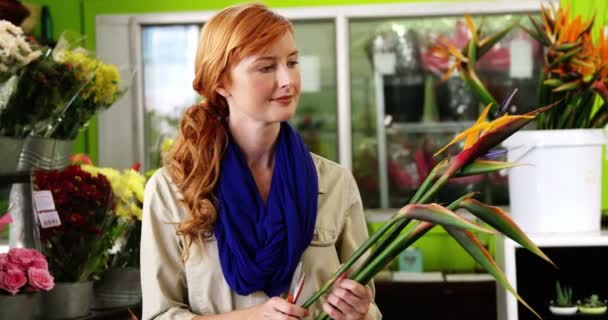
(175, 290)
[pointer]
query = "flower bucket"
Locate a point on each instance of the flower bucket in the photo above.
(37, 153)
(9, 157)
(119, 287)
(67, 300)
(558, 186)
(19, 306)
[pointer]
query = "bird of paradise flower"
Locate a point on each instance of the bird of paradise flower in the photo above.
(390, 240)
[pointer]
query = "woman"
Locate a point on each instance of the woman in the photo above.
(241, 201)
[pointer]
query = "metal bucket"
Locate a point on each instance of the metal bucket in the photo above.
(119, 287)
(10, 150)
(19, 306)
(37, 153)
(67, 300)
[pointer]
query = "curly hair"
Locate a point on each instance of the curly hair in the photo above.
(194, 161)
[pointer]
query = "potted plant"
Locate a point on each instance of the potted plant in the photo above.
(592, 305)
(568, 138)
(563, 304)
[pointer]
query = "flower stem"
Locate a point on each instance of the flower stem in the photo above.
(356, 255)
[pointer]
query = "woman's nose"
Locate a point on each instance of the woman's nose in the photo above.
(285, 76)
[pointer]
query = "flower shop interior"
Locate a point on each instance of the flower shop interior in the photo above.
(92, 93)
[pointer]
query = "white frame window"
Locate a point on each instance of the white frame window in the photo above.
(121, 129)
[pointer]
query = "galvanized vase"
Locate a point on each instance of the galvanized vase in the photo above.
(119, 287)
(37, 153)
(19, 306)
(67, 300)
(9, 154)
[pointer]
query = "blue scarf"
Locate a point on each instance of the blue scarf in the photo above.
(260, 246)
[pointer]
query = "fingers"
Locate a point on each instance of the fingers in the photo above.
(356, 289)
(348, 300)
(286, 310)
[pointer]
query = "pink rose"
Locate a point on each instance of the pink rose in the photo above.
(21, 257)
(39, 260)
(40, 279)
(12, 280)
(2, 261)
(25, 258)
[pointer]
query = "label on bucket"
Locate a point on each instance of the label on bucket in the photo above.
(44, 205)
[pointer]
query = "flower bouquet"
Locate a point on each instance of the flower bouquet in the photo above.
(119, 285)
(473, 159)
(128, 192)
(24, 270)
(78, 248)
(574, 73)
(51, 92)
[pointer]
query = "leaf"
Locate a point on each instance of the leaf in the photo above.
(538, 37)
(478, 88)
(488, 42)
(565, 56)
(471, 244)
(573, 85)
(440, 215)
(484, 166)
(553, 82)
(501, 221)
(568, 46)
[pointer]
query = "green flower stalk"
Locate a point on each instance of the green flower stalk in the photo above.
(480, 139)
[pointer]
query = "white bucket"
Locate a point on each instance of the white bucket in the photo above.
(558, 188)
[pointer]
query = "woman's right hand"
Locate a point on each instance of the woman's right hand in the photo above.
(278, 309)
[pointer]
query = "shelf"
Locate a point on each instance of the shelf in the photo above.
(469, 277)
(402, 276)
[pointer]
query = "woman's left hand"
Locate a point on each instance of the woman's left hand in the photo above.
(348, 300)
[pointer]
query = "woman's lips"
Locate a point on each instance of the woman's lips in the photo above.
(285, 100)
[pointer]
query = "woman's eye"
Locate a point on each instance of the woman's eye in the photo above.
(267, 68)
(293, 63)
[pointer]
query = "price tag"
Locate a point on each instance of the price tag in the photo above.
(43, 200)
(44, 205)
(48, 219)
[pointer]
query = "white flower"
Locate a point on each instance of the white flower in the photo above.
(15, 51)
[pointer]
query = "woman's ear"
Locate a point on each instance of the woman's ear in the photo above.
(223, 90)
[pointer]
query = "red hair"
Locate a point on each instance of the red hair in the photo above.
(194, 161)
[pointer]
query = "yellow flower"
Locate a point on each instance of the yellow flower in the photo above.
(167, 144)
(128, 189)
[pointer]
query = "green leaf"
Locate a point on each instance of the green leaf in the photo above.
(565, 56)
(572, 85)
(470, 77)
(553, 82)
(600, 117)
(501, 221)
(568, 46)
(533, 34)
(489, 42)
(471, 244)
(437, 214)
(484, 166)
